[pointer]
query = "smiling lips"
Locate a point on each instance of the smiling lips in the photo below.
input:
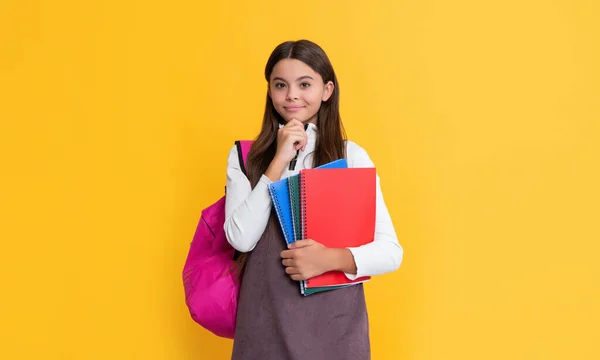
(293, 108)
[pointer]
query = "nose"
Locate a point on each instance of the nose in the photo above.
(292, 94)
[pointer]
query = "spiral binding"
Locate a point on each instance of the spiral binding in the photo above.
(278, 210)
(305, 283)
(303, 205)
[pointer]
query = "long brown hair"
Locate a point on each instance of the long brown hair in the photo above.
(331, 136)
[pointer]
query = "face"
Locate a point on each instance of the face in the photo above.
(297, 90)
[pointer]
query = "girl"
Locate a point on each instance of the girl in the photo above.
(274, 321)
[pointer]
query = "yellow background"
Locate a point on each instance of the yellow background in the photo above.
(482, 118)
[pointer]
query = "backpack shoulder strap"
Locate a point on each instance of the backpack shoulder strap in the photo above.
(243, 148)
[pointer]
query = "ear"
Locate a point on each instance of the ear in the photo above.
(268, 90)
(328, 90)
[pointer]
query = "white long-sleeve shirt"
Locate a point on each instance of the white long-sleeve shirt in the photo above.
(247, 211)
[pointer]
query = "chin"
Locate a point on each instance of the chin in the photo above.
(288, 118)
(303, 118)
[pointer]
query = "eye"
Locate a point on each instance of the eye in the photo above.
(279, 86)
(304, 85)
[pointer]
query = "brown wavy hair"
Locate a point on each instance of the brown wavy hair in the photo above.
(331, 136)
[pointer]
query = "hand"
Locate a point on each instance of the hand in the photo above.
(290, 138)
(306, 259)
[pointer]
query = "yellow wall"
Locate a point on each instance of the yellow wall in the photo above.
(482, 118)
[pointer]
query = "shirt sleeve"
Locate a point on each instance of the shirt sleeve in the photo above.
(247, 210)
(384, 254)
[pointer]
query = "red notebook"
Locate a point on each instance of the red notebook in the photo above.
(338, 211)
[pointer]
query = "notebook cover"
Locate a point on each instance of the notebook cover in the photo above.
(294, 188)
(281, 202)
(338, 210)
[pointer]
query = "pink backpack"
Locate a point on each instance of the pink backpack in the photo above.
(209, 274)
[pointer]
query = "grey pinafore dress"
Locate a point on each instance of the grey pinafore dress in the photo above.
(276, 322)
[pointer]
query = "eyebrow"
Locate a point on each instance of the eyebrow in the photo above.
(298, 79)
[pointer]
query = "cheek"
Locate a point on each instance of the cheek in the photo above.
(277, 98)
(314, 98)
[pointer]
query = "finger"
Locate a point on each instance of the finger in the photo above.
(289, 254)
(294, 140)
(295, 131)
(298, 277)
(298, 141)
(288, 262)
(300, 244)
(297, 137)
(294, 122)
(290, 270)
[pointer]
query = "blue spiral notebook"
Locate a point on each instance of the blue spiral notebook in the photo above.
(281, 202)
(280, 196)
